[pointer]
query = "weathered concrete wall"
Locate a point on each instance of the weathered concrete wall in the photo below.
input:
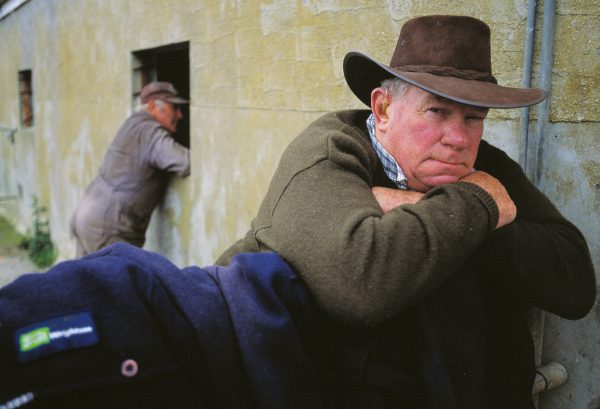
(570, 176)
(260, 72)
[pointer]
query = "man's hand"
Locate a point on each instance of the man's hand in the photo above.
(391, 198)
(507, 211)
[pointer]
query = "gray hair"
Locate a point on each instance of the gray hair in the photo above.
(396, 87)
(144, 107)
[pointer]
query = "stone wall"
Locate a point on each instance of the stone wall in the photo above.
(260, 71)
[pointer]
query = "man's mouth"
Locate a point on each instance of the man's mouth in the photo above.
(448, 162)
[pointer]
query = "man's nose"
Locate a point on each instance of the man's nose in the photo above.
(456, 135)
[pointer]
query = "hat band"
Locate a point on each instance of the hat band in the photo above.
(449, 72)
(159, 94)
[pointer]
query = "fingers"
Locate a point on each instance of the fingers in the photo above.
(389, 199)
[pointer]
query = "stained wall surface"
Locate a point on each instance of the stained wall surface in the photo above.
(260, 71)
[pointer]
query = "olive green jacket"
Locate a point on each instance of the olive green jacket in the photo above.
(364, 267)
(440, 263)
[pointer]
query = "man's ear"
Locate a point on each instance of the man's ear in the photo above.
(152, 108)
(379, 105)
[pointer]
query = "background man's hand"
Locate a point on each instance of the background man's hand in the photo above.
(390, 198)
(506, 208)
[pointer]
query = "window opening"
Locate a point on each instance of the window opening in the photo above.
(26, 98)
(169, 63)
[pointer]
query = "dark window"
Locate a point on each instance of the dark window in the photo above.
(168, 63)
(26, 97)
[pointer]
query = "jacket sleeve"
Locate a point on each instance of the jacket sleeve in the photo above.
(166, 154)
(541, 257)
(363, 266)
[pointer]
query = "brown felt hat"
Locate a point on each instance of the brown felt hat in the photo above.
(445, 55)
(161, 90)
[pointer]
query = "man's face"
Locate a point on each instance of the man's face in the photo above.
(166, 114)
(434, 140)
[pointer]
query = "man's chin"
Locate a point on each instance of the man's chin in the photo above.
(427, 184)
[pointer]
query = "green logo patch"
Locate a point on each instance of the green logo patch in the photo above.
(34, 339)
(56, 334)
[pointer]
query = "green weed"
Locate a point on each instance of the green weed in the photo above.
(39, 246)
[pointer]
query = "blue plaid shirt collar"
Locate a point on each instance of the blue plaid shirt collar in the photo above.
(390, 166)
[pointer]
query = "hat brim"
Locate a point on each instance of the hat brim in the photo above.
(167, 97)
(363, 74)
(175, 100)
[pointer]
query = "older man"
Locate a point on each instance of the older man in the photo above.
(117, 205)
(425, 245)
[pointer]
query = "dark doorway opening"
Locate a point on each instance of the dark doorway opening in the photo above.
(169, 63)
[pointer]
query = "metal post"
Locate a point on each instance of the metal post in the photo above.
(545, 83)
(527, 69)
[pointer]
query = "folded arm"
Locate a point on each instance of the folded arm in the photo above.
(361, 264)
(541, 257)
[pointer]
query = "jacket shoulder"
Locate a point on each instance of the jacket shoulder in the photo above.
(340, 137)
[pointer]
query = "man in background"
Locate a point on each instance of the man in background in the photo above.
(117, 205)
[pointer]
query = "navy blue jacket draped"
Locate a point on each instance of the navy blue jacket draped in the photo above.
(154, 335)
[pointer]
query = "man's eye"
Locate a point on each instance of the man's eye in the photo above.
(435, 110)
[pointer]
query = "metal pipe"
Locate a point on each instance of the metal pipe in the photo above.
(549, 377)
(533, 154)
(545, 83)
(527, 69)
